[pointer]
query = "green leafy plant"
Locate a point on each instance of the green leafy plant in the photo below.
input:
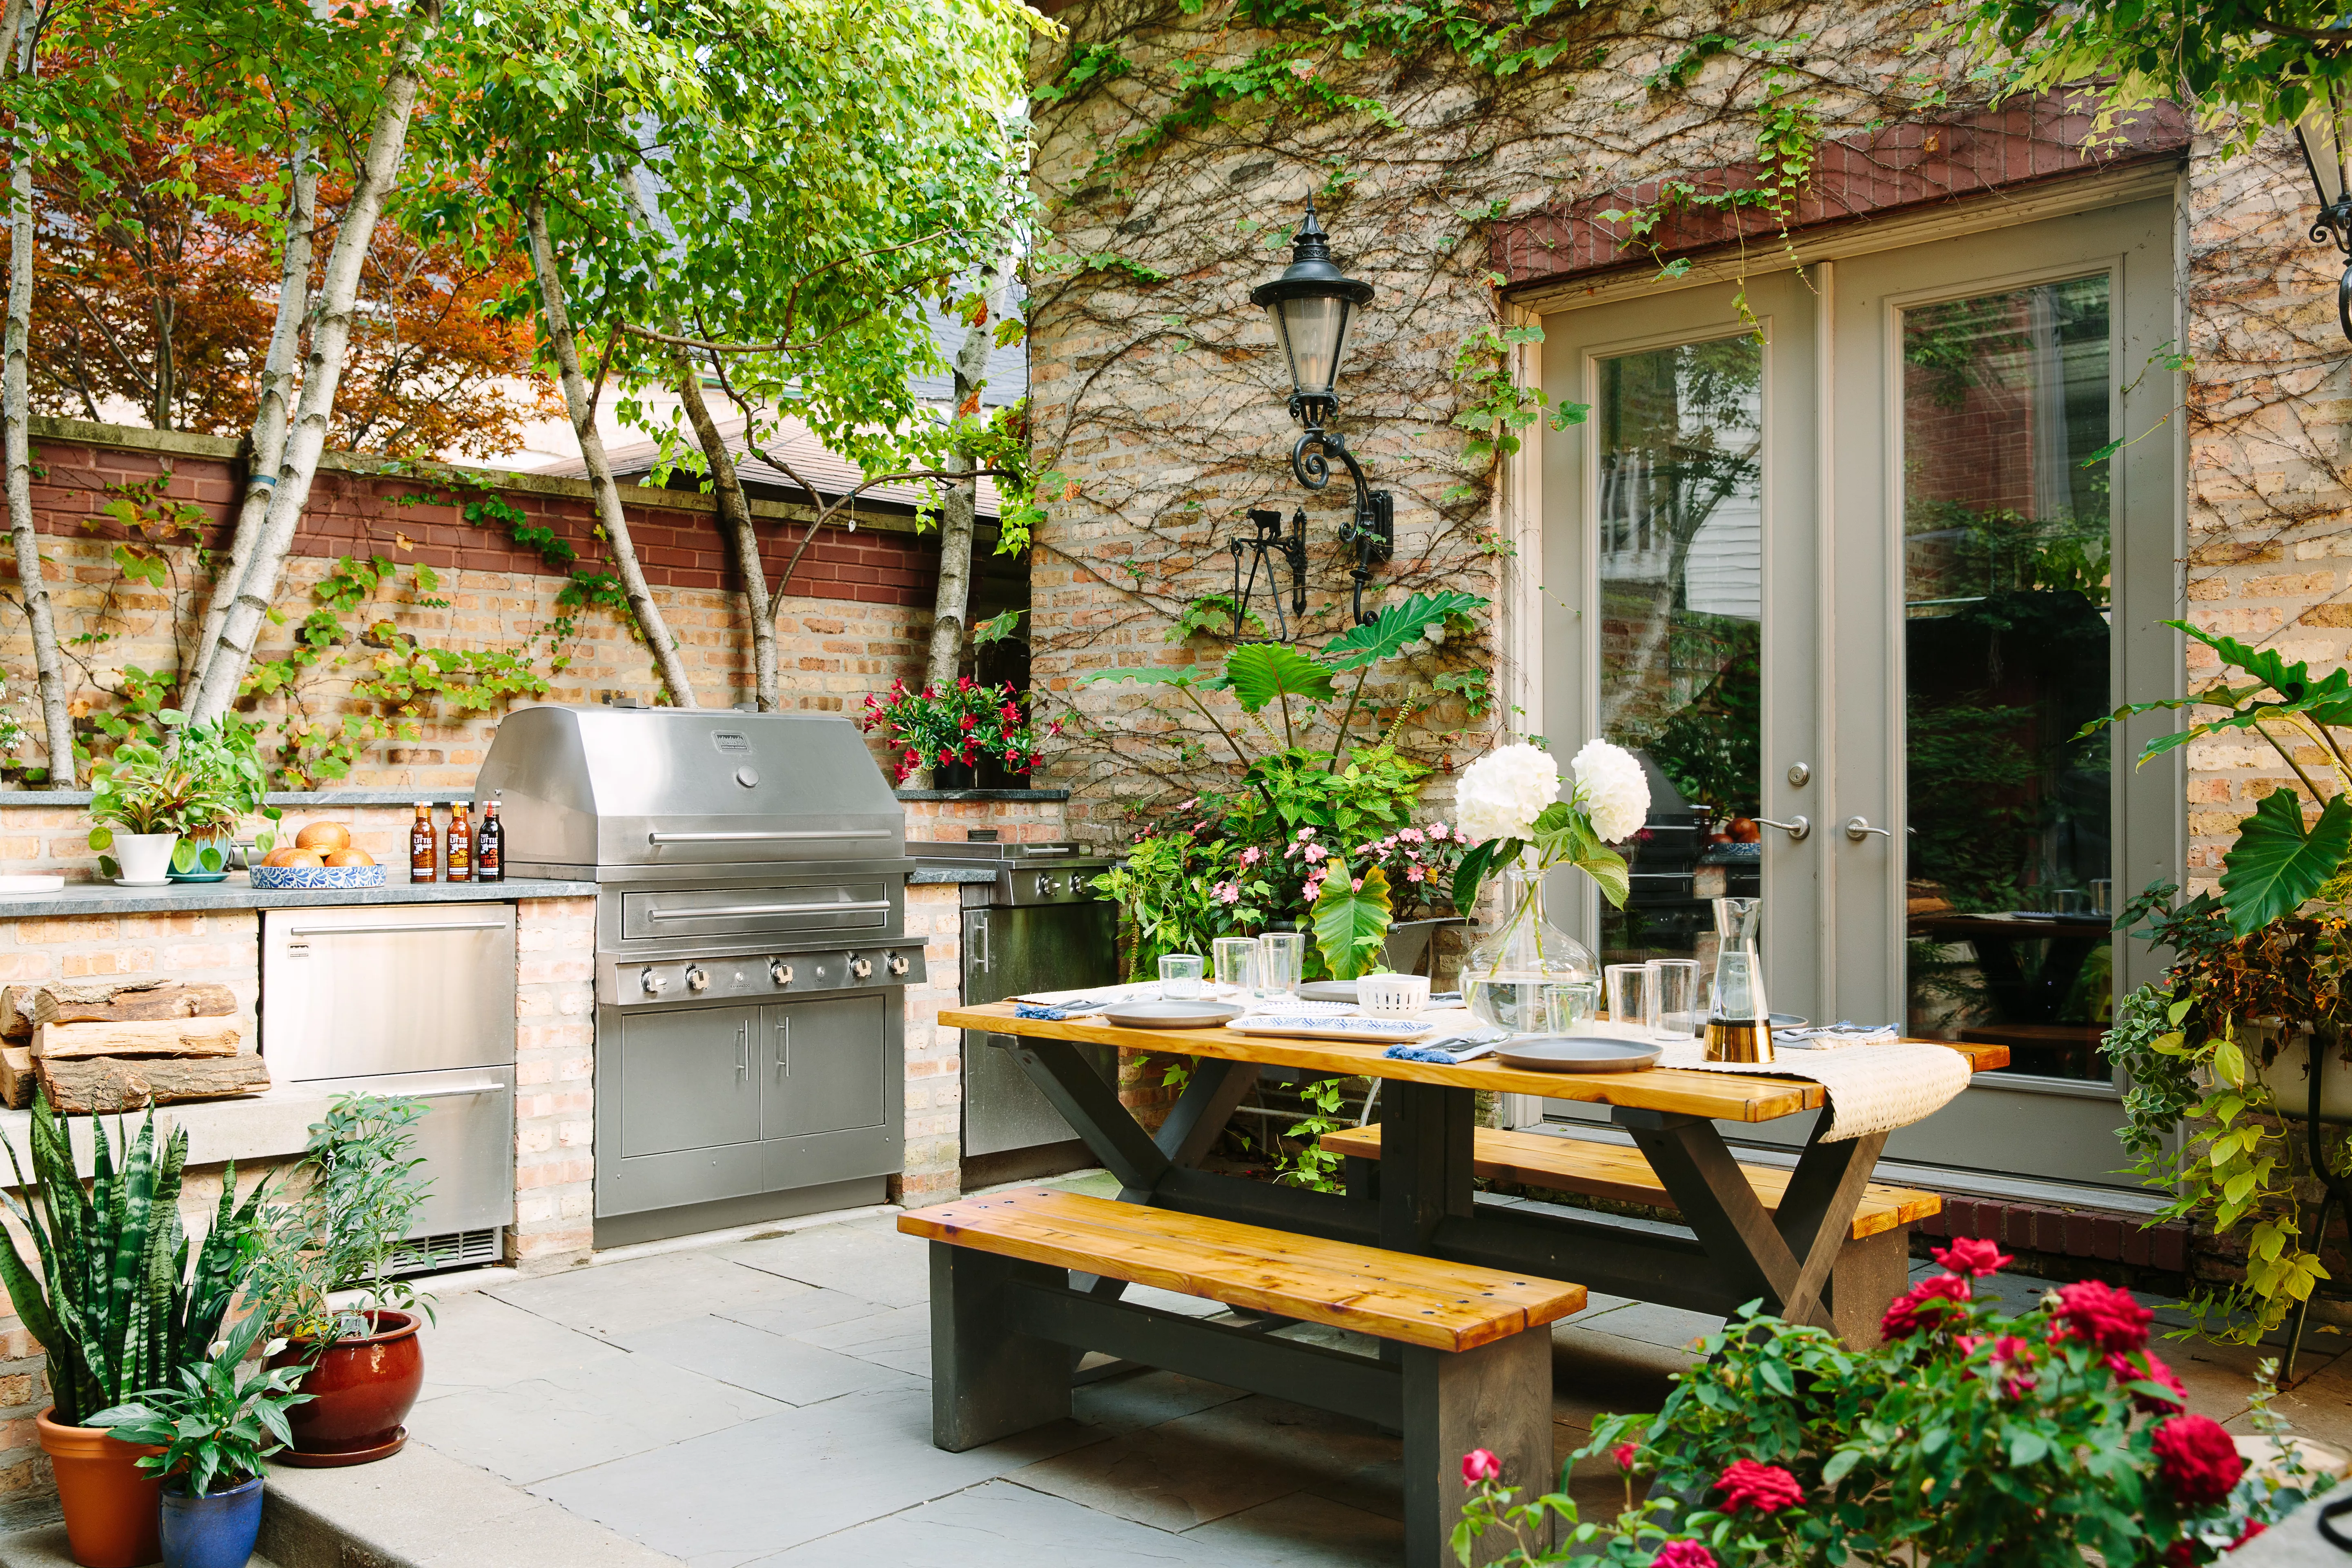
(360, 1195)
(118, 1304)
(1310, 1165)
(932, 728)
(221, 1422)
(142, 791)
(1967, 1439)
(1214, 615)
(1351, 920)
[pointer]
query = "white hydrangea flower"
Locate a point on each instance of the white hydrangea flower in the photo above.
(1612, 789)
(1503, 792)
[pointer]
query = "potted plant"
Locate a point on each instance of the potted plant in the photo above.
(119, 1307)
(361, 1366)
(141, 800)
(224, 754)
(207, 1439)
(934, 730)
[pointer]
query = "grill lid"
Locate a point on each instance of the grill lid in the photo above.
(687, 786)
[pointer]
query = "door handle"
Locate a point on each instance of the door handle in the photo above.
(1796, 827)
(979, 944)
(743, 1051)
(784, 1048)
(708, 912)
(1859, 828)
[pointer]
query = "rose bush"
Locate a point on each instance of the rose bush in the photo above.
(1967, 1439)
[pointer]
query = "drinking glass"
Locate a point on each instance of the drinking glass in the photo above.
(1179, 977)
(1676, 981)
(1633, 996)
(1572, 1004)
(1237, 964)
(1281, 961)
(2103, 895)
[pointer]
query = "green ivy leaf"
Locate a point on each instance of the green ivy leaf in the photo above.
(2276, 864)
(1351, 923)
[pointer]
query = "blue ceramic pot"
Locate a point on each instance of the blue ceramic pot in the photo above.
(213, 1531)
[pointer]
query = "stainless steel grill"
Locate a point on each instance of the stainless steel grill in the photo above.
(751, 953)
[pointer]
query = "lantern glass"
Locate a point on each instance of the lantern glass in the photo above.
(2321, 131)
(1314, 333)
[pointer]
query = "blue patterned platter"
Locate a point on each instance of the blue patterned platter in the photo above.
(318, 877)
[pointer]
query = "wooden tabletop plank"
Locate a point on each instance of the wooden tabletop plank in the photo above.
(1389, 1295)
(1727, 1097)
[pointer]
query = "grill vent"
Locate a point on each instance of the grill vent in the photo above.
(450, 1249)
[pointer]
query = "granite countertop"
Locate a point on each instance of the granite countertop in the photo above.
(932, 873)
(237, 894)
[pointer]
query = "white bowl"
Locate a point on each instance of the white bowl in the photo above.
(1392, 996)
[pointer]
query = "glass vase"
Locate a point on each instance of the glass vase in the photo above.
(1507, 977)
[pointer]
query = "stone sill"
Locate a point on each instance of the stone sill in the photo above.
(982, 794)
(237, 894)
(931, 876)
(315, 800)
(269, 1125)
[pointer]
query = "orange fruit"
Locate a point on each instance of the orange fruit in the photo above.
(323, 837)
(351, 857)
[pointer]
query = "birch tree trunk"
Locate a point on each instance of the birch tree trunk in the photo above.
(957, 520)
(615, 523)
(267, 447)
(15, 406)
(331, 335)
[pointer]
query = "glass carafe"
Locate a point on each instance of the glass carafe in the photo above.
(1506, 978)
(1737, 1029)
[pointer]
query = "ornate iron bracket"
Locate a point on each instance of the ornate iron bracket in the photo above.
(1372, 530)
(2335, 223)
(1270, 541)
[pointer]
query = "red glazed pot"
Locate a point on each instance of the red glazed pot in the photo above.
(111, 1505)
(361, 1391)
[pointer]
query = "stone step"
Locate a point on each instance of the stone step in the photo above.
(44, 1546)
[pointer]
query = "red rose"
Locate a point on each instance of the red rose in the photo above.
(1683, 1554)
(1923, 1306)
(2196, 1459)
(1767, 1488)
(1623, 1453)
(2010, 1360)
(2253, 1528)
(1479, 1465)
(2103, 1316)
(2180, 1554)
(2142, 1366)
(1973, 1255)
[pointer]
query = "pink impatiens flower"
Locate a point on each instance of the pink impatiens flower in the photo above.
(1252, 856)
(1228, 893)
(1413, 873)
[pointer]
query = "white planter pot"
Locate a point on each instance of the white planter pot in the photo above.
(145, 857)
(2288, 1077)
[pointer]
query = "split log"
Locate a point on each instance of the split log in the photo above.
(156, 1037)
(89, 1004)
(15, 1077)
(16, 1012)
(108, 1084)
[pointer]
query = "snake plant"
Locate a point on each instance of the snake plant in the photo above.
(117, 1305)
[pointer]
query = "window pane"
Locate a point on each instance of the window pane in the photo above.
(1679, 520)
(2005, 518)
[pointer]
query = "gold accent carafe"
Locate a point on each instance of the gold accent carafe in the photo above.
(1737, 1025)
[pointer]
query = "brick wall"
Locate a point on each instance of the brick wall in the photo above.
(555, 1090)
(934, 1155)
(1016, 819)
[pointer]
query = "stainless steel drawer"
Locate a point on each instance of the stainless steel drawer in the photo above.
(367, 989)
(467, 1140)
(845, 905)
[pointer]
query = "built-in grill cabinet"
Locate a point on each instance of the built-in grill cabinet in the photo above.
(751, 953)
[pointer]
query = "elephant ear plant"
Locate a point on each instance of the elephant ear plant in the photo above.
(117, 1303)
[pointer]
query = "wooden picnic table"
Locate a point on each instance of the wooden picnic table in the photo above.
(1736, 1250)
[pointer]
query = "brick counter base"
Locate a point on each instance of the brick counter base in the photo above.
(2064, 1233)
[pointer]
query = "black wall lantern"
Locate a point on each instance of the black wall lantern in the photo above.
(2321, 131)
(1313, 304)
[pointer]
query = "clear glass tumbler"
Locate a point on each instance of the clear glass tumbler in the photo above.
(1573, 1005)
(1633, 996)
(1238, 965)
(1281, 962)
(1179, 977)
(1675, 981)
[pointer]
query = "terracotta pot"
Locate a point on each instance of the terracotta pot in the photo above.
(111, 1505)
(361, 1389)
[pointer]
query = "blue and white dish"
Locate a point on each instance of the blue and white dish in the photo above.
(1323, 1027)
(317, 878)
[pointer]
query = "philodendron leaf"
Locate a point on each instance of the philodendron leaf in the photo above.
(2276, 863)
(1262, 671)
(1351, 923)
(1396, 628)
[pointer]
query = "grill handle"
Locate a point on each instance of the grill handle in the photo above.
(710, 911)
(396, 930)
(777, 836)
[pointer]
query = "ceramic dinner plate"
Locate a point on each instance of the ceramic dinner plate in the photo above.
(1166, 1014)
(1578, 1053)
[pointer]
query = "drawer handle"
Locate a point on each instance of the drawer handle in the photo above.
(453, 1093)
(775, 837)
(396, 930)
(708, 912)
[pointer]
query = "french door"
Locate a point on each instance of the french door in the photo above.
(1849, 559)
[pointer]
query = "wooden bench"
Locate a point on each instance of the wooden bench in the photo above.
(1871, 1268)
(1458, 1369)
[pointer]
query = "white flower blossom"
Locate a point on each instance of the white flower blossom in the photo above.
(1503, 792)
(1612, 789)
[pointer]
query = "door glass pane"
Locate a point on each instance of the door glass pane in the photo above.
(1680, 545)
(2005, 517)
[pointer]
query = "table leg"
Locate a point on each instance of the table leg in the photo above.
(1425, 1162)
(1091, 1107)
(1202, 1109)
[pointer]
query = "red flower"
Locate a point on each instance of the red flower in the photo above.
(2180, 1554)
(946, 756)
(1479, 1465)
(2253, 1528)
(2196, 1459)
(968, 723)
(2102, 1315)
(2142, 1366)
(1766, 1488)
(1624, 1453)
(1683, 1554)
(2010, 1359)
(1923, 1306)
(1012, 762)
(964, 683)
(1973, 1255)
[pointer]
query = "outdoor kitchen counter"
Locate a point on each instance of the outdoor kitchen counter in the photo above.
(237, 894)
(934, 873)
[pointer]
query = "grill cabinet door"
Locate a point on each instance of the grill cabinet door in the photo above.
(829, 1111)
(684, 1118)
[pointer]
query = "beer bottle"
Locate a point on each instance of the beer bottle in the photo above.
(490, 847)
(460, 858)
(422, 866)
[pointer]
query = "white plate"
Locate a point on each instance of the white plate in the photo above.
(158, 882)
(31, 884)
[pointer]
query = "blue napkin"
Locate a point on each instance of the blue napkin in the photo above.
(1453, 1050)
(1053, 1015)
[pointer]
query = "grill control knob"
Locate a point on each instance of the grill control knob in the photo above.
(654, 984)
(779, 972)
(896, 965)
(1045, 887)
(860, 968)
(696, 980)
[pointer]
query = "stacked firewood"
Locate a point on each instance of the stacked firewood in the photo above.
(116, 1045)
